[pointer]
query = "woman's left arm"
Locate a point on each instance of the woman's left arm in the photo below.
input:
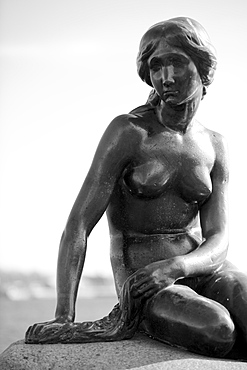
(214, 219)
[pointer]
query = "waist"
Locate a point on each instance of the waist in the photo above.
(167, 235)
(137, 251)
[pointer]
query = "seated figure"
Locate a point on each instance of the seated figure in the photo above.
(162, 179)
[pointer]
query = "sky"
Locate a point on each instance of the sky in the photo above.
(67, 68)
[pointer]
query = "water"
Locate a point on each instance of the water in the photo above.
(17, 316)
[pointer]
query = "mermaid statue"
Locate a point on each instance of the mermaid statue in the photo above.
(162, 178)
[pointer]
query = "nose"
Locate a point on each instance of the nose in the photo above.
(168, 76)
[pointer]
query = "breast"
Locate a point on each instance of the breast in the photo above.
(196, 183)
(150, 179)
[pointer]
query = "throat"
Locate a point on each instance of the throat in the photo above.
(176, 117)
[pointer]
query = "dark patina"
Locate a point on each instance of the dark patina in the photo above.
(162, 179)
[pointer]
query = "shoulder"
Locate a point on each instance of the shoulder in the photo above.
(130, 129)
(121, 136)
(219, 144)
(135, 116)
(217, 140)
(131, 123)
(122, 125)
(122, 122)
(221, 166)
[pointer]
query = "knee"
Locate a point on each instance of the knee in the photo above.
(215, 340)
(200, 325)
(216, 334)
(220, 334)
(230, 289)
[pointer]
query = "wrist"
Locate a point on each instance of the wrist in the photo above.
(179, 267)
(64, 318)
(64, 312)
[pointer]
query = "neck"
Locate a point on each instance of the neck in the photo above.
(177, 117)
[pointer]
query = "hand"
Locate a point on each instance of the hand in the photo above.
(39, 332)
(155, 276)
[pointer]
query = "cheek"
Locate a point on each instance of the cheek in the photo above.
(191, 79)
(183, 76)
(155, 78)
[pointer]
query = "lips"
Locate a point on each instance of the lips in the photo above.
(170, 92)
(169, 96)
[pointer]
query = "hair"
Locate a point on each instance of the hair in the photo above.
(183, 33)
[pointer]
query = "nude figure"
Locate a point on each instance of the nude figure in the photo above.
(162, 179)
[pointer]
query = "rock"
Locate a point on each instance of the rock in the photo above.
(140, 353)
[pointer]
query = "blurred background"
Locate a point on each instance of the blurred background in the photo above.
(67, 68)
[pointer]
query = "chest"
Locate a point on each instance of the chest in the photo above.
(172, 162)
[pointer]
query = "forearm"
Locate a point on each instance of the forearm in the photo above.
(71, 259)
(206, 258)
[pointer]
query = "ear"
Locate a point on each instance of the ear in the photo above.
(204, 91)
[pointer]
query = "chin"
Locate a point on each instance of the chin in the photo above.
(178, 107)
(174, 101)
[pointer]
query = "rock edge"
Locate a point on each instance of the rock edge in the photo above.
(140, 353)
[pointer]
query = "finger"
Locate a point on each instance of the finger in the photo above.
(31, 333)
(137, 276)
(28, 332)
(140, 273)
(33, 330)
(150, 293)
(28, 336)
(145, 280)
(135, 290)
(144, 283)
(145, 289)
(49, 330)
(37, 328)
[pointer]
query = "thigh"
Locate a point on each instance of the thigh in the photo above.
(179, 316)
(229, 287)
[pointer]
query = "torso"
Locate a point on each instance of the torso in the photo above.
(159, 193)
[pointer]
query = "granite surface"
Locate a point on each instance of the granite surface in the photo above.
(140, 353)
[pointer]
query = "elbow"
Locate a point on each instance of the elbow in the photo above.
(217, 259)
(220, 235)
(220, 243)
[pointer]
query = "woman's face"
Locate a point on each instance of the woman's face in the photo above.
(174, 75)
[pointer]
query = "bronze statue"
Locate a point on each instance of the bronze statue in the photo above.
(162, 179)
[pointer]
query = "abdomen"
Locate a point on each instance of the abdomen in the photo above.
(127, 213)
(132, 252)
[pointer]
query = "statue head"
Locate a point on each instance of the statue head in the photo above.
(182, 33)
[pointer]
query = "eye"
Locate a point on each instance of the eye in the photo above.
(155, 65)
(176, 62)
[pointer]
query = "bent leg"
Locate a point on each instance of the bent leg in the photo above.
(179, 316)
(230, 289)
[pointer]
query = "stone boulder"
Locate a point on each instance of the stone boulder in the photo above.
(140, 353)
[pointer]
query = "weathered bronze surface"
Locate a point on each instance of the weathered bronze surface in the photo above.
(162, 179)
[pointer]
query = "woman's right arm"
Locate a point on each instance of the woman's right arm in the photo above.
(113, 154)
